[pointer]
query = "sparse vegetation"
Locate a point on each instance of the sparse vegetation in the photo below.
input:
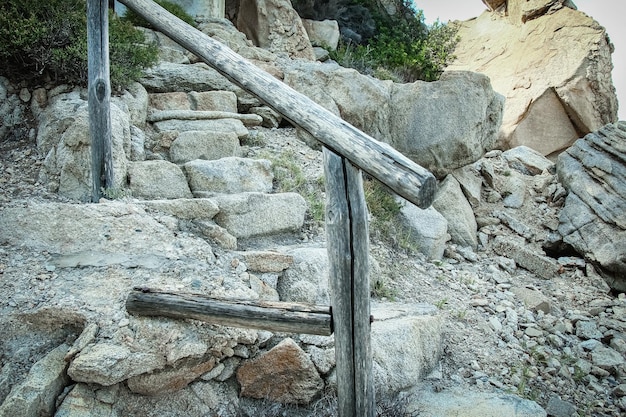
(173, 8)
(48, 40)
(288, 177)
(441, 303)
(115, 193)
(386, 223)
(380, 289)
(403, 49)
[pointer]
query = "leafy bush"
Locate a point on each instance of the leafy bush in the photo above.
(173, 8)
(39, 39)
(404, 48)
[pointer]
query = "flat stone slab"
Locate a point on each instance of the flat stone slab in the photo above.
(452, 403)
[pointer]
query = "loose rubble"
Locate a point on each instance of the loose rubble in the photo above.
(495, 313)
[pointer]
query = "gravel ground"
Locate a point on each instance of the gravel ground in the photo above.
(558, 341)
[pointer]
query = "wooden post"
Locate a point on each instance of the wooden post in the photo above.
(347, 244)
(264, 315)
(382, 161)
(99, 99)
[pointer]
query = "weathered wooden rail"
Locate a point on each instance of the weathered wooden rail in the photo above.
(265, 315)
(346, 151)
(382, 161)
(99, 99)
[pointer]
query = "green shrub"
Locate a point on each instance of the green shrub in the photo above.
(403, 49)
(173, 8)
(39, 39)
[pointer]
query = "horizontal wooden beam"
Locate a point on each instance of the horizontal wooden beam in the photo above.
(264, 315)
(379, 159)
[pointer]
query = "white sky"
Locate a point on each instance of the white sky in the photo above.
(609, 13)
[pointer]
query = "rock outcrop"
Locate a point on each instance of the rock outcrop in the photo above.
(507, 316)
(275, 26)
(441, 125)
(593, 220)
(553, 65)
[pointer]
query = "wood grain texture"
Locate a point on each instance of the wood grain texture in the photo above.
(99, 96)
(380, 160)
(348, 251)
(264, 315)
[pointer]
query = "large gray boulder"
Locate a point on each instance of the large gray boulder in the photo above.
(441, 125)
(105, 228)
(63, 137)
(247, 215)
(358, 99)
(230, 175)
(156, 180)
(553, 65)
(37, 394)
(429, 229)
(275, 26)
(407, 343)
(167, 76)
(445, 124)
(453, 205)
(306, 281)
(593, 220)
(454, 402)
(204, 144)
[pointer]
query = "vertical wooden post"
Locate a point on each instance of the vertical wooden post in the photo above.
(99, 100)
(348, 249)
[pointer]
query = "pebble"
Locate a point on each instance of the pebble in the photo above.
(620, 390)
(559, 408)
(590, 344)
(479, 302)
(533, 332)
(495, 324)
(606, 358)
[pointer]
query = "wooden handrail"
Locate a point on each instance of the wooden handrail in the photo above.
(380, 160)
(266, 315)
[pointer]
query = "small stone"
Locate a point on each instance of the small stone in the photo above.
(583, 366)
(228, 370)
(618, 344)
(564, 327)
(555, 341)
(25, 95)
(559, 408)
(213, 373)
(533, 300)
(606, 358)
(495, 324)
(588, 330)
(242, 351)
(599, 372)
(533, 332)
(590, 344)
(479, 302)
(620, 390)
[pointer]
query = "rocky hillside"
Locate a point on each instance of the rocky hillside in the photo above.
(506, 298)
(553, 65)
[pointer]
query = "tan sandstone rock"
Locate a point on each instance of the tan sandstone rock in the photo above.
(553, 65)
(275, 26)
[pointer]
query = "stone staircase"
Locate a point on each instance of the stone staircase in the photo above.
(197, 202)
